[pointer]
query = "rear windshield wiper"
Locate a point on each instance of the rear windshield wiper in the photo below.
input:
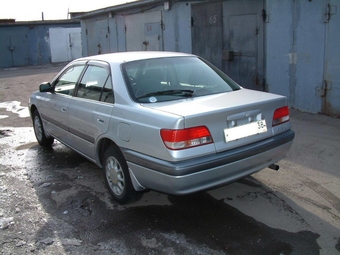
(177, 92)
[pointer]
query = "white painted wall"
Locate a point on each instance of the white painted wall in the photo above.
(65, 44)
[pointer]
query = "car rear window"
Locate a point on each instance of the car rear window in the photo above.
(165, 79)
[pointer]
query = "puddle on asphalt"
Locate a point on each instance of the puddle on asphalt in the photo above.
(72, 189)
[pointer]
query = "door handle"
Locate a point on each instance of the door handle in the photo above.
(100, 121)
(63, 109)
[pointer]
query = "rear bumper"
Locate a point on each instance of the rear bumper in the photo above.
(184, 177)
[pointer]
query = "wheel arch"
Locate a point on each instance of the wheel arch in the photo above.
(32, 108)
(102, 146)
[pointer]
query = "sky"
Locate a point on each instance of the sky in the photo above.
(28, 10)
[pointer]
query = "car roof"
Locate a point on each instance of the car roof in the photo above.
(122, 57)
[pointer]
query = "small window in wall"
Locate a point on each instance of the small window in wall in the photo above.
(67, 81)
(96, 85)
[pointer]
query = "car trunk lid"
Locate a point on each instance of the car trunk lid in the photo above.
(234, 119)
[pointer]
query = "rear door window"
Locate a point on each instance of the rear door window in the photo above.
(96, 84)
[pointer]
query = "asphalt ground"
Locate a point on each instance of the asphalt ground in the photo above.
(55, 202)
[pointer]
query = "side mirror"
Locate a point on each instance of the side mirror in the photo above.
(45, 87)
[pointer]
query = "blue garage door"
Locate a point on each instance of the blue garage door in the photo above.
(331, 87)
(14, 51)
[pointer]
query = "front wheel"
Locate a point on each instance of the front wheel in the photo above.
(117, 177)
(39, 132)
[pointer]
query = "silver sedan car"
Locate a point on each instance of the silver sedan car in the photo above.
(164, 121)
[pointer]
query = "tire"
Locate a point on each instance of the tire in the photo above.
(39, 132)
(117, 177)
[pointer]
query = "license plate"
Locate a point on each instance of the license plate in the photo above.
(243, 131)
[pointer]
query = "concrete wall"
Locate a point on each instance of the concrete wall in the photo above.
(176, 30)
(301, 48)
(27, 43)
(295, 48)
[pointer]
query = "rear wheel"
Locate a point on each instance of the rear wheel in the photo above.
(39, 132)
(117, 177)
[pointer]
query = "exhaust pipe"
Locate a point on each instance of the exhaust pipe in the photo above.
(274, 167)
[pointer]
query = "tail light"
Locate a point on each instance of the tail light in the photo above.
(178, 139)
(281, 115)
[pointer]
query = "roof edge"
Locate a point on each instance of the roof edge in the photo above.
(120, 7)
(41, 22)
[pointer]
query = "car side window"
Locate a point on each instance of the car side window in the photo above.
(67, 81)
(107, 94)
(96, 85)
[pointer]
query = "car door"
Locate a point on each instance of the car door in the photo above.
(91, 108)
(54, 108)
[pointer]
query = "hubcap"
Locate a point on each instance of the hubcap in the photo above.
(115, 175)
(38, 128)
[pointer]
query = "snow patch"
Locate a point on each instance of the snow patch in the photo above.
(14, 106)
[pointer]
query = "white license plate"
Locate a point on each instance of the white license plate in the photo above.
(250, 129)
